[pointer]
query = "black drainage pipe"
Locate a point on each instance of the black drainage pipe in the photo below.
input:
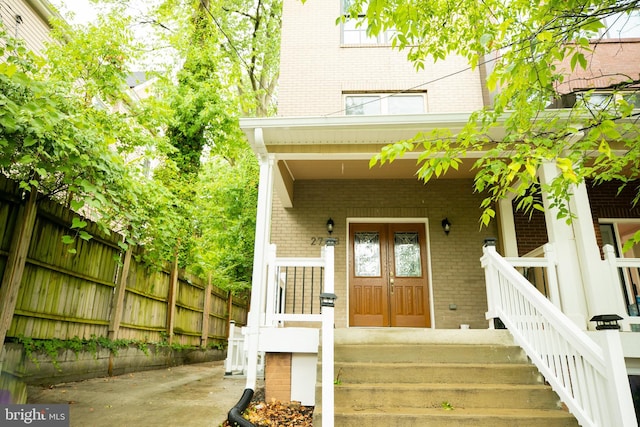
(235, 417)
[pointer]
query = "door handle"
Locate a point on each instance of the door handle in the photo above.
(391, 281)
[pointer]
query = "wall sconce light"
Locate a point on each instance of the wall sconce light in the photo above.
(330, 224)
(606, 321)
(446, 226)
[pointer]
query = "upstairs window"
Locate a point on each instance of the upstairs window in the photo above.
(607, 100)
(372, 104)
(354, 30)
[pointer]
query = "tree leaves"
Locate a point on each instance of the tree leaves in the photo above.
(529, 49)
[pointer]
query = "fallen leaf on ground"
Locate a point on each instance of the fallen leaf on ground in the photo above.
(278, 414)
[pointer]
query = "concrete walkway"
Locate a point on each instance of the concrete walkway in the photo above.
(188, 395)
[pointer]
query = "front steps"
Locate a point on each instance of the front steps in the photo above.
(422, 377)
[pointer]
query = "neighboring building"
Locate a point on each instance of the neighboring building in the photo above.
(29, 20)
(408, 253)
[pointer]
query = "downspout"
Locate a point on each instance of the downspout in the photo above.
(261, 246)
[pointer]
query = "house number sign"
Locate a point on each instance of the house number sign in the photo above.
(320, 241)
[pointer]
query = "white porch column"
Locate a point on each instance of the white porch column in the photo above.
(507, 228)
(261, 251)
(601, 294)
(561, 235)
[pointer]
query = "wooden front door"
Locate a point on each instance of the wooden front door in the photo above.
(388, 283)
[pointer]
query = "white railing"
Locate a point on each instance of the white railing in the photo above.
(294, 286)
(293, 294)
(236, 361)
(548, 262)
(626, 273)
(591, 380)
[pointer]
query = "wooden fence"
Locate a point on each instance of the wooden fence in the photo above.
(99, 290)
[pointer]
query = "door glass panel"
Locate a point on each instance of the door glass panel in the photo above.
(367, 254)
(407, 254)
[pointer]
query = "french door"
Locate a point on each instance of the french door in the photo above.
(388, 284)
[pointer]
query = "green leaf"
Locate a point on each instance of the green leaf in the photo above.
(76, 205)
(26, 159)
(84, 235)
(78, 223)
(604, 148)
(545, 36)
(67, 240)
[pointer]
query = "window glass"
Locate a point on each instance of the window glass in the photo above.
(633, 99)
(406, 249)
(405, 104)
(370, 104)
(352, 33)
(355, 34)
(362, 105)
(367, 254)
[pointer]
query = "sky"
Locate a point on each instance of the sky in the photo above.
(83, 10)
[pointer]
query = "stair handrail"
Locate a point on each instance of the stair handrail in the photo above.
(590, 379)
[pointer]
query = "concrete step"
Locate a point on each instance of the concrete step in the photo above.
(427, 395)
(429, 353)
(440, 417)
(435, 373)
(420, 377)
(422, 336)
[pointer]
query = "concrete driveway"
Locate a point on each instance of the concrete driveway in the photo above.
(188, 395)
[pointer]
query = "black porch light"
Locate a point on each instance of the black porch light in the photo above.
(330, 225)
(606, 321)
(327, 299)
(446, 226)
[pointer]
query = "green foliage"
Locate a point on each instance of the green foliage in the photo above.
(53, 347)
(446, 406)
(70, 128)
(55, 141)
(523, 45)
(224, 239)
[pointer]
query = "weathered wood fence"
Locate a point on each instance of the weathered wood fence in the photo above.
(99, 290)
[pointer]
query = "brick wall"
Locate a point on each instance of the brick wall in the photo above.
(457, 277)
(531, 230)
(315, 70)
(277, 376)
(606, 202)
(612, 61)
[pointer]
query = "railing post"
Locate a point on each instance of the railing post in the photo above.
(614, 275)
(552, 274)
(327, 299)
(231, 349)
(490, 280)
(272, 287)
(620, 402)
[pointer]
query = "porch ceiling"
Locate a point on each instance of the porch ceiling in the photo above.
(359, 169)
(340, 147)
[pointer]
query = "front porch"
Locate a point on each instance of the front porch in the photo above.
(577, 364)
(388, 224)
